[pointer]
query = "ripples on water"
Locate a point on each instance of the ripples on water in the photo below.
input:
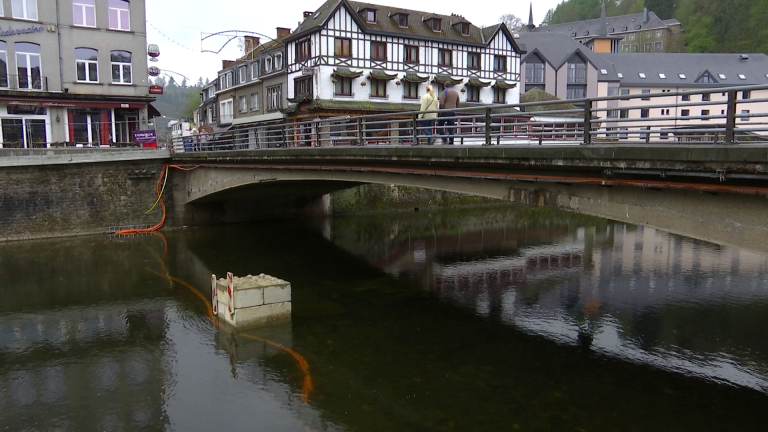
(466, 320)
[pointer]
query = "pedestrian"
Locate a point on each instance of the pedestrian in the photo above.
(449, 101)
(427, 122)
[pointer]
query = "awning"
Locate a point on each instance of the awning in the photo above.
(443, 79)
(381, 75)
(501, 84)
(475, 82)
(346, 73)
(303, 97)
(412, 77)
(153, 112)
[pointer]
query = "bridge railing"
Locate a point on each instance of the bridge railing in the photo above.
(715, 115)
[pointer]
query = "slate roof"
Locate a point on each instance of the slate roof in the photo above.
(385, 24)
(692, 65)
(262, 48)
(557, 48)
(615, 25)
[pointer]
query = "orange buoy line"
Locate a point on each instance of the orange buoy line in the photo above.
(161, 182)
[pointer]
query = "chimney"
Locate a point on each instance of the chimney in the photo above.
(307, 14)
(227, 64)
(645, 15)
(282, 31)
(250, 43)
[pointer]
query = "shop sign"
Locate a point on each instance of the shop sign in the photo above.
(153, 50)
(153, 71)
(145, 138)
(20, 31)
(156, 89)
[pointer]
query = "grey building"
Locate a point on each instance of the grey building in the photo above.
(72, 72)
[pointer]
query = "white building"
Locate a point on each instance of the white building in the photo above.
(351, 58)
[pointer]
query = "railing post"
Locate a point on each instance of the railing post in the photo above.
(317, 134)
(415, 129)
(487, 126)
(730, 121)
(588, 122)
(360, 135)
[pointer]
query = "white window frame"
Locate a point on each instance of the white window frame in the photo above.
(122, 66)
(84, 11)
(255, 101)
(256, 69)
(243, 74)
(25, 13)
(278, 62)
(229, 79)
(242, 104)
(222, 82)
(274, 94)
(226, 111)
(27, 64)
(119, 24)
(86, 64)
(4, 58)
(268, 65)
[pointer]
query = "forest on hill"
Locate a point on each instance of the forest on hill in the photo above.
(737, 26)
(178, 101)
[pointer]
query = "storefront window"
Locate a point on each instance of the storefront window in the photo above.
(24, 133)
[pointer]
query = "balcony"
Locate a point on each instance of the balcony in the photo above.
(23, 82)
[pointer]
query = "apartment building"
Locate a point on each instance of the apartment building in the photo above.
(72, 72)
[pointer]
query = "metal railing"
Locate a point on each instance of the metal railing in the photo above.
(720, 115)
(31, 82)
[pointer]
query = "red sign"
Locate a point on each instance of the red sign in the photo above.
(155, 89)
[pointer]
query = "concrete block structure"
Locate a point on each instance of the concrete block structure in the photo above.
(251, 300)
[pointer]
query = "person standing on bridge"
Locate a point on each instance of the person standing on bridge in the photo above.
(449, 101)
(427, 122)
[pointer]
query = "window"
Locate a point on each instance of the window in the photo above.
(402, 20)
(343, 86)
(473, 94)
(659, 33)
(644, 113)
(706, 97)
(222, 82)
(411, 54)
(647, 35)
(613, 113)
(685, 113)
(278, 61)
(645, 91)
(242, 103)
(303, 50)
(663, 76)
(623, 113)
(577, 70)
(302, 86)
(411, 90)
(648, 47)
(473, 61)
(87, 63)
(379, 51)
(28, 65)
(24, 9)
(742, 77)
(274, 97)
(378, 88)
(664, 135)
(641, 75)
(682, 76)
(243, 72)
(444, 57)
(686, 97)
(370, 15)
(705, 113)
(499, 63)
(121, 67)
(658, 46)
(464, 28)
(534, 70)
(84, 13)
(625, 92)
(119, 15)
(268, 65)
(576, 92)
(3, 65)
(706, 78)
(436, 24)
(632, 36)
(256, 69)
(254, 101)
(746, 94)
(746, 118)
(342, 47)
(226, 111)
(499, 95)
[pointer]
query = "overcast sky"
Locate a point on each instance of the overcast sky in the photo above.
(177, 29)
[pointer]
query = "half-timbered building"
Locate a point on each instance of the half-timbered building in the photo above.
(351, 58)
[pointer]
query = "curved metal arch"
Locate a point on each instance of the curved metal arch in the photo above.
(237, 34)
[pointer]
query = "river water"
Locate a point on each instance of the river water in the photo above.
(483, 319)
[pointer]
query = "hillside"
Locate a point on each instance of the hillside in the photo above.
(736, 26)
(177, 101)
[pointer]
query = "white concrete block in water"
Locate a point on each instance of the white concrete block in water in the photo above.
(253, 299)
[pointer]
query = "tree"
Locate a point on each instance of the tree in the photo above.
(513, 22)
(200, 82)
(547, 18)
(184, 82)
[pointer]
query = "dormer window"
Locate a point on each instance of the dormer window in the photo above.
(370, 16)
(402, 19)
(436, 24)
(463, 27)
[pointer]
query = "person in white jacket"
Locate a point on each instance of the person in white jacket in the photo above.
(427, 122)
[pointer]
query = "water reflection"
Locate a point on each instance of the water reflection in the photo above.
(630, 292)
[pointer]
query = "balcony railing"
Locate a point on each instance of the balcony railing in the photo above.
(23, 82)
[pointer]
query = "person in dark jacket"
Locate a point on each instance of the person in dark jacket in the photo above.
(449, 101)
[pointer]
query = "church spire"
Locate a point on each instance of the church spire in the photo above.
(603, 21)
(531, 25)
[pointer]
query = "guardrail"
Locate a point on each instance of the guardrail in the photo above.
(24, 82)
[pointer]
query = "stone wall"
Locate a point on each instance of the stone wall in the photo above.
(378, 198)
(77, 199)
